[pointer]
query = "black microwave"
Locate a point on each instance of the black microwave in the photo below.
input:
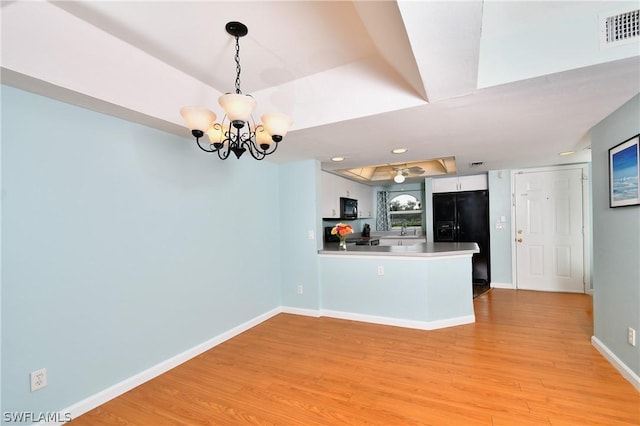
(348, 208)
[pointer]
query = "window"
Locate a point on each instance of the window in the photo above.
(405, 210)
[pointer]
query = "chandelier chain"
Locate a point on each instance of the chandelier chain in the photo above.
(238, 68)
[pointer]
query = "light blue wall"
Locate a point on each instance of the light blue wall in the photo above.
(122, 247)
(616, 243)
(416, 290)
(500, 239)
(300, 214)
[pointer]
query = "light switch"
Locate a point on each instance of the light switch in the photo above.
(311, 235)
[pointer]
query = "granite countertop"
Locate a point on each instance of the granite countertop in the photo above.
(416, 250)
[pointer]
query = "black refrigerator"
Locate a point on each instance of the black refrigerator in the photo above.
(464, 217)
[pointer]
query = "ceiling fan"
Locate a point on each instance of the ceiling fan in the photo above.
(400, 173)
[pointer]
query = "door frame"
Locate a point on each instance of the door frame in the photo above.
(586, 220)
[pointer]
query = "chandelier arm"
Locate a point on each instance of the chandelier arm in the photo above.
(203, 148)
(271, 151)
(223, 156)
(256, 155)
(257, 152)
(230, 142)
(237, 137)
(253, 150)
(224, 153)
(252, 142)
(235, 141)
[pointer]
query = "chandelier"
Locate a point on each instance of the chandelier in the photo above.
(237, 132)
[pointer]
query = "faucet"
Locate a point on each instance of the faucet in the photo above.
(403, 230)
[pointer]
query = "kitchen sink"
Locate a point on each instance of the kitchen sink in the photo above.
(394, 238)
(409, 236)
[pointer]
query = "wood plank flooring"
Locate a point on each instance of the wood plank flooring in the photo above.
(527, 360)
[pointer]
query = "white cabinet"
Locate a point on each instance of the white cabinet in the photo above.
(333, 187)
(367, 204)
(461, 183)
(364, 195)
(330, 200)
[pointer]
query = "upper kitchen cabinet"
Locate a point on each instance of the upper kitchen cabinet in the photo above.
(460, 183)
(333, 187)
(364, 195)
(330, 199)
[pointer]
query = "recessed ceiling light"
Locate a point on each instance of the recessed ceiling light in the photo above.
(399, 150)
(337, 159)
(567, 153)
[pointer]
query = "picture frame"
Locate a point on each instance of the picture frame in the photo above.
(624, 173)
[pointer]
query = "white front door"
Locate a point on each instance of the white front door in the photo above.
(549, 230)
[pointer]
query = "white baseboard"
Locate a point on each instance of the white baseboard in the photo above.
(397, 322)
(502, 285)
(118, 389)
(626, 372)
(300, 311)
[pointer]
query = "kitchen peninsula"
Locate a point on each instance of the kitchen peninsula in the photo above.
(425, 285)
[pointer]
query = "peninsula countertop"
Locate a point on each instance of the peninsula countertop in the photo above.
(416, 250)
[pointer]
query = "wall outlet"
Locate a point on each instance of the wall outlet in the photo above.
(300, 289)
(631, 336)
(381, 270)
(38, 379)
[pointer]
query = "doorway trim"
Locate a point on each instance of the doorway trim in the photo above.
(586, 220)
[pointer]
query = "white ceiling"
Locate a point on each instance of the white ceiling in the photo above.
(510, 84)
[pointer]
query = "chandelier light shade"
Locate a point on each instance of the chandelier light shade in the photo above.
(237, 107)
(197, 118)
(277, 125)
(237, 133)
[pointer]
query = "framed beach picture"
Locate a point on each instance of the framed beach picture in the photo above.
(624, 167)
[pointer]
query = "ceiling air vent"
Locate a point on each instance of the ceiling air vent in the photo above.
(620, 28)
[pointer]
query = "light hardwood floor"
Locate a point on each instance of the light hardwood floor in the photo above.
(527, 360)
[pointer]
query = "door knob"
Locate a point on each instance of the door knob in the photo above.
(519, 240)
